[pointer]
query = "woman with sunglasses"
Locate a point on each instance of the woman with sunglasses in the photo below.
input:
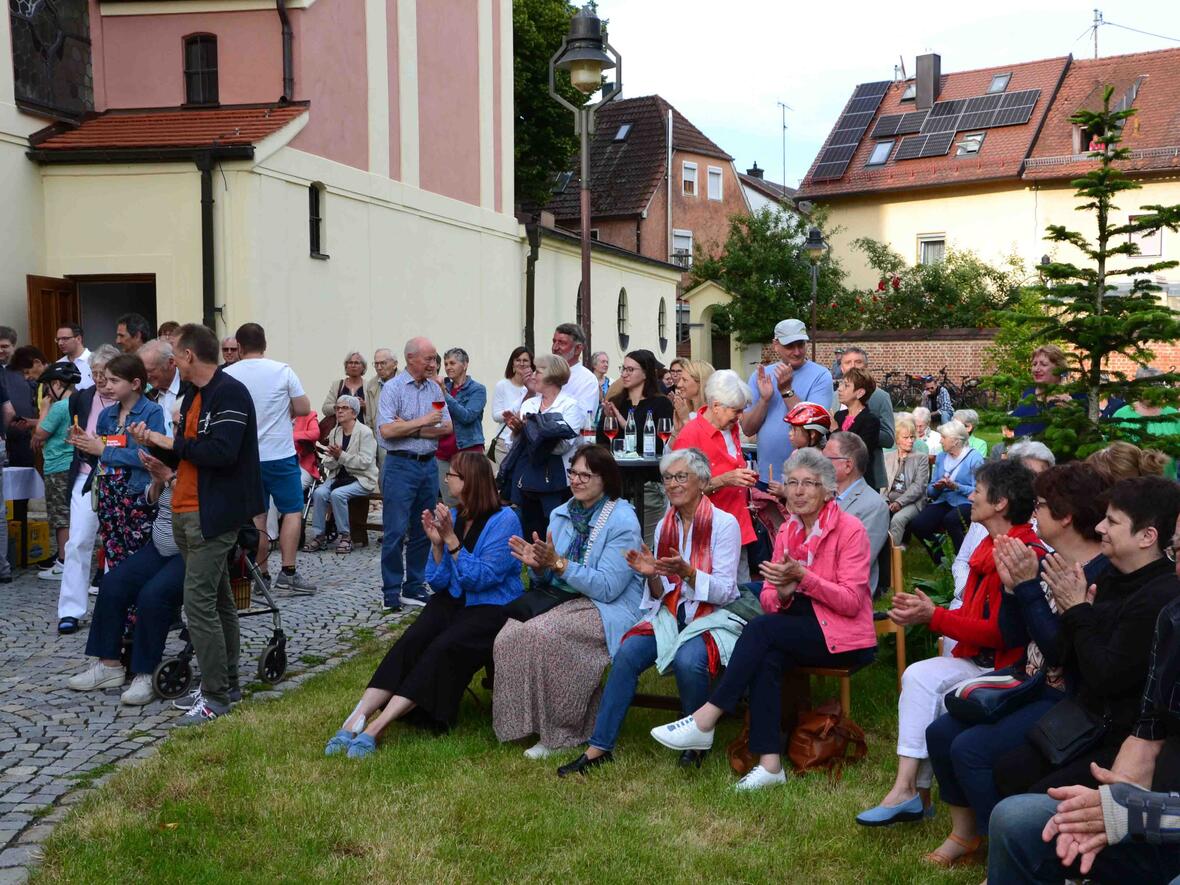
(474, 576)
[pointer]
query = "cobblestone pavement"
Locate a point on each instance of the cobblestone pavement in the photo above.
(55, 742)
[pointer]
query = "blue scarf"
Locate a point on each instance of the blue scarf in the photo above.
(582, 520)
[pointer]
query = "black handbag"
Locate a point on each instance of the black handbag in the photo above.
(1067, 731)
(989, 698)
(536, 601)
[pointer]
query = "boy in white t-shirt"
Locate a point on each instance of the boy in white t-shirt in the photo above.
(278, 397)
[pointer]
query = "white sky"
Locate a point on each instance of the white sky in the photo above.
(725, 65)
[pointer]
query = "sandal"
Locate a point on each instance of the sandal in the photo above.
(315, 545)
(970, 856)
(344, 545)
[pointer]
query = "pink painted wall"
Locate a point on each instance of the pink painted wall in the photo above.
(497, 103)
(142, 57)
(395, 105)
(97, 65)
(448, 98)
(331, 72)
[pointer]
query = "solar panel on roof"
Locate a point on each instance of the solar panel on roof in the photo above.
(948, 108)
(887, 125)
(828, 171)
(978, 120)
(982, 103)
(850, 129)
(910, 148)
(912, 122)
(1012, 116)
(1019, 99)
(877, 88)
(937, 144)
(839, 154)
(941, 124)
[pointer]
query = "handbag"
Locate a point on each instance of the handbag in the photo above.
(1067, 731)
(543, 597)
(826, 739)
(988, 699)
(491, 452)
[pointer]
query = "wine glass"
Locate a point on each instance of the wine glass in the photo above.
(664, 429)
(610, 429)
(438, 405)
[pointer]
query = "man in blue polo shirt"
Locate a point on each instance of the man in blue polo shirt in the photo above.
(780, 387)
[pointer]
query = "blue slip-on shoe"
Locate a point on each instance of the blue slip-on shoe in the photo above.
(361, 746)
(885, 815)
(339, 742)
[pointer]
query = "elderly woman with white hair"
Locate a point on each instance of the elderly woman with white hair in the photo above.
(952, 481)
(907, 473)
(926, 438)
(819, 613)
(352, 384)
(350, 471)
(970, 419)
(688, 579)
(714, 431)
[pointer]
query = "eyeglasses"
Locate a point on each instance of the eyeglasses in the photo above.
(627, 370)
(451, 473)
(809, 484)
(677, 478)
(580, 475)
(62, 338)
(229, 350)
(1039, 503)
(837, 457)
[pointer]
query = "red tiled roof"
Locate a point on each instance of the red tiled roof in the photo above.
(171, 128)
(623, 174)
(1150, 134)
(1003, 151)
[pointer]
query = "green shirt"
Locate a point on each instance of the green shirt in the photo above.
(57, 452)
(980, 445)
(1166, 423)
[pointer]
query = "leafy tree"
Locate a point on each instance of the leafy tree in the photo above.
(543, 130)
(1081, 306)
(763, 266)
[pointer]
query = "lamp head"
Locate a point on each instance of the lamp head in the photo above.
(815, 244)
(584, 57)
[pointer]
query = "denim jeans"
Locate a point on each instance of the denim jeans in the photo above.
(942, 517)
(154, 584)
(407, 488)
(338, 498)
(636, 654)
(1017, 854)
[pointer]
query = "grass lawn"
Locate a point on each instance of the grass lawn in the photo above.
(252, 799)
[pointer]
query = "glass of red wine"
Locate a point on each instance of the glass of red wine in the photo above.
(610, 429)
(664, 429)
(438, 405)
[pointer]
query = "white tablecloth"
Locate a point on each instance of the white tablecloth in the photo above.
(23, 484)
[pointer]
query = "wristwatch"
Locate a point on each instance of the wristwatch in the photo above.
(559, 564)
(788, 393)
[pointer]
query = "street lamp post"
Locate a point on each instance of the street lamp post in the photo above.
(815, 247)
(585, 54)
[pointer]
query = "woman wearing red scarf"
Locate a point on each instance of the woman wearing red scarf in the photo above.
(819, 614)
(683, 625)
(1003, 502)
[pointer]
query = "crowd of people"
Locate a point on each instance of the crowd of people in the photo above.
(158, 451)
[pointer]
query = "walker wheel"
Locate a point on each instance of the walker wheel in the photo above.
(272, 664)
(172, 678)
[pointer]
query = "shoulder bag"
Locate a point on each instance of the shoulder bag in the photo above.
(989, 698)
(543, 596)
(1067, 731)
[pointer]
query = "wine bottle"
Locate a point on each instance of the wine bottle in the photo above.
(649, 437)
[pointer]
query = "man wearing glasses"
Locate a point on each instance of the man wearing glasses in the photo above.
(230, 351)
(386, 365)
(73, 350)
(850, 458)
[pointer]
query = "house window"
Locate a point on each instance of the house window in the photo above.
(621, 135)
(621, 319)
(662, 325)
(911, 92)
(688, 179)
(931, 248)
(970, 144)
(1149, 243)
(200, 69)
(880, 153)
(315, 220)
(682, 248)
(594, 233)
(683, 326)
(714, 183)
(999, 83)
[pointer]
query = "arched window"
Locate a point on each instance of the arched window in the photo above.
(578, 306)
(621, 316)
(200, 69)
(662, 325)
(315, 220)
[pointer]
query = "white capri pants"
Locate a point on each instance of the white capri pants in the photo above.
(924, 684)
(72, 598)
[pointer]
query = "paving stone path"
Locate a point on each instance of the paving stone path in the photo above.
(55, 743)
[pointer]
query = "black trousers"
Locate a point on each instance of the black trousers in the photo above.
(535, 508)
(432, 663)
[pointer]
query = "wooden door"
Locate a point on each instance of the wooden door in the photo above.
(52, 302)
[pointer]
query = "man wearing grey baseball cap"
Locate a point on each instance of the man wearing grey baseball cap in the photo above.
(777, 389)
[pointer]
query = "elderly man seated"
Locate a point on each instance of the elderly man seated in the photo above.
(350, 467)
(850, 458)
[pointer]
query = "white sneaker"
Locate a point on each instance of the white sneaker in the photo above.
(758, 777)
(98, 675)
(538, 751)
(53, 573)
(193, 699)
(683, 734)
(140, 692)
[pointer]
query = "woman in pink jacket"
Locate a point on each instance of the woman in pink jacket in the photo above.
(819, 613)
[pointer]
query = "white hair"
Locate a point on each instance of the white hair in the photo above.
(351, 401)
(921, 414)
(1031, 448)
(694, 459)
(160, 346)
(953, 428)
(728, 388)
(812, 460)
(102, 355)
(967, 416)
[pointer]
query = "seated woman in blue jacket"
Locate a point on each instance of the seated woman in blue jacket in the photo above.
(952, 482)
(124, 520)
(474, 576)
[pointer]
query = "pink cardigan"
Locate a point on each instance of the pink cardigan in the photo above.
(837, 583)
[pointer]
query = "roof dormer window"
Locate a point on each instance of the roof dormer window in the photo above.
(970, 144)
(911, 92)
(999, 83)
(621, 135)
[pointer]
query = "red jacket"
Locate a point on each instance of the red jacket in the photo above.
(700, 434)
(307, 433)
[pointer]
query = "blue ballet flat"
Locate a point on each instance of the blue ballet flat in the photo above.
(886, 815)
(363, 745)
(339, 742)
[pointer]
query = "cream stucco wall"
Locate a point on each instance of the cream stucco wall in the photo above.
(995, 222)
(702, 301)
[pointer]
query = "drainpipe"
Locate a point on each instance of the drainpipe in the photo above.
(208, 291)
(288, 53)
(533, 232)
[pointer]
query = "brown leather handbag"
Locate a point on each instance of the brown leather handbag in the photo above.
(825, 739)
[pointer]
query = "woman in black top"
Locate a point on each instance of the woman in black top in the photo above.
(853, 391)
(641, 395)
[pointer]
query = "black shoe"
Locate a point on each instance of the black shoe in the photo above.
(393, 608)
(689, 758)
(6, 580)
(66, 626)
(583, 764)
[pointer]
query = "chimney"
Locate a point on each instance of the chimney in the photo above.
(929, 81)
(754, 172)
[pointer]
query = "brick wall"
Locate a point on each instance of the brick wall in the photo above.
(962, 351)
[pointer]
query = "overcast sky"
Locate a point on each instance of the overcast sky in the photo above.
(725, 65)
